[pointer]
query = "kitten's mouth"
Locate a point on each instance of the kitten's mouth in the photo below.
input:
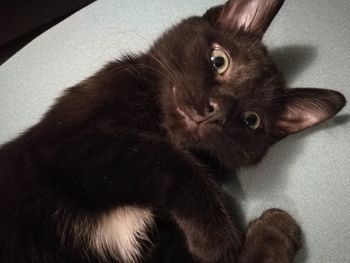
(195, 123)
(198, 129)
(191, 124)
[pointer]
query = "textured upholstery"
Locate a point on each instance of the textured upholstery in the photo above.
(307, 174)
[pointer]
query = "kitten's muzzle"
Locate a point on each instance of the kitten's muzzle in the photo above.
(212, 115)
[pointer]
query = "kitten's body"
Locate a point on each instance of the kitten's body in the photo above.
(115, 170)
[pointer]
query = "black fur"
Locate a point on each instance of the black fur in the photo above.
(118, 139)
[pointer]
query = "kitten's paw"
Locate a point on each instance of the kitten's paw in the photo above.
(279, 219)
(274, 237)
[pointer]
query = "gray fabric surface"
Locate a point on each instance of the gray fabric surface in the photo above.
(307, 174)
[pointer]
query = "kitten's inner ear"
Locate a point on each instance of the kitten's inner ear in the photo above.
(305, 107)
(251, 16)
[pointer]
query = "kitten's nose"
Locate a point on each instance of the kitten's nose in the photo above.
(210, 113)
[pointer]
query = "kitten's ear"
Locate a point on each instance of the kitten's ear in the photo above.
(306, 107)
(251, 16)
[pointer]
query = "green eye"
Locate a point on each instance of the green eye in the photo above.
(220, 61)
(251, 119)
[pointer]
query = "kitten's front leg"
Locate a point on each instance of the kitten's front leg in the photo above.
(200, 212)
(273, 238)
(129, 168)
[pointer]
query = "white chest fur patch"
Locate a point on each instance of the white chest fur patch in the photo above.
(121, 233)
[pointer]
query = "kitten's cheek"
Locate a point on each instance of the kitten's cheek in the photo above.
(224, 78)
(208, 132)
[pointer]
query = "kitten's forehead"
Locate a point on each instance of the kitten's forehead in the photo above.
(189, 44)
(199, 35)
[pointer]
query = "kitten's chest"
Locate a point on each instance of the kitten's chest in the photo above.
(124, 233)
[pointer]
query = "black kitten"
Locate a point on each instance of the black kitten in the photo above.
(115, 172)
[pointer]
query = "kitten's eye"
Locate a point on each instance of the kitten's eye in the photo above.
(251, 119)
(220, 60)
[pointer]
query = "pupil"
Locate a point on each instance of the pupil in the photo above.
(251, 120)
(218, 62)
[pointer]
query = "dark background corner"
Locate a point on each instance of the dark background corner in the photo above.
(23, 20)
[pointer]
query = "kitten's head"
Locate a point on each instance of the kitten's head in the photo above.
(221, 91)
